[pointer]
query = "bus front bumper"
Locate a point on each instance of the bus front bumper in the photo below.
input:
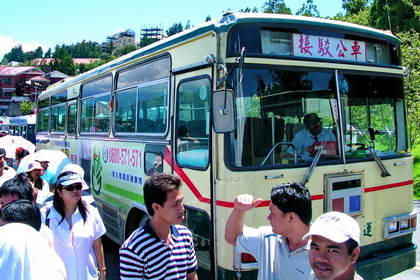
(383, 265)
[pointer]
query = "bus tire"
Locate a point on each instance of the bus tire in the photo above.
(135, 219)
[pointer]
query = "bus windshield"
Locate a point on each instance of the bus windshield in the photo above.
(363, 110)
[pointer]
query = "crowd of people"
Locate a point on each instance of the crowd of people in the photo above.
(55, 233)
(54, 220)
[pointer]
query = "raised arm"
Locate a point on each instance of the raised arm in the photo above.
(235, 221)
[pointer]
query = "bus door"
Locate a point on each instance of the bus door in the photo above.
(191, 158)
(70, 133)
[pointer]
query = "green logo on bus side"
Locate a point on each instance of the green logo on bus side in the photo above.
(96, 172)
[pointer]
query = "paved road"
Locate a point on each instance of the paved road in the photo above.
(112, 258)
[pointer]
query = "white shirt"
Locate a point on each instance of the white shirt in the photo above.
(8, 173)
(273, 255)
(25, 254)
(74, 245)
(303, 139)
(43, 193)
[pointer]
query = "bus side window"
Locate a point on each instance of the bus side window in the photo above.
(71, 121)
(125, 107)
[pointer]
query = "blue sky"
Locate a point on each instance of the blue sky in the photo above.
(47, 23)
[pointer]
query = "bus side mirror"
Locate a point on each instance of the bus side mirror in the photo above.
(223, 111)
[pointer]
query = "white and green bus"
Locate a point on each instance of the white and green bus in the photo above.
(219, 104)
(23, 126)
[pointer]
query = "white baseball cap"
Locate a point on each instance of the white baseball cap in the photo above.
(335, 226)
(78, 170)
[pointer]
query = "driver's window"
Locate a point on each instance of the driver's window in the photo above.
(193, 122)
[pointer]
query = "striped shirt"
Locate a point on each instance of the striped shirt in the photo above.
(145, 256)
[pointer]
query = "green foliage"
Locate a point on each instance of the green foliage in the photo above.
(398, 15)
(48, 54)
(79, 50)
(176, 28)
(17, 54)
(276, 7)
(249, 10)
(81, 68)
(309, 9)
(353, 7)
(362, 17)
(146, 41)
(416, 171)
(110, 48)
(26, 107)
(410, 49)
(125, 50)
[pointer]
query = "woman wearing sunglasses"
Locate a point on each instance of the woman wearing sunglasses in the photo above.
(77, 229)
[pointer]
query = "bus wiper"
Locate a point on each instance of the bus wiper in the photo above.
(369, 145)
(241, 60)
(314, 163)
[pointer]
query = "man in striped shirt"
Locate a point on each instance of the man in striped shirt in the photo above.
(161, 249)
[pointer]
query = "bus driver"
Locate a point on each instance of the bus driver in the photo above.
(305, 138)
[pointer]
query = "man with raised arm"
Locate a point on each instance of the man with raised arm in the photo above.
(279, 250)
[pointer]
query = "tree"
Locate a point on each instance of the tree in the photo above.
(410, 47)
(276, 7)
(187, 25)
(353, 7)
(48, 53)
(110, 47)
(26, 107)
(395, 15)
(176, 28)
(309, 9)
(62, 61)
(208, 18)
(16, 54)
(38, 52)
(146, 41)
(125, 50)
(362, 17)
(248, 10)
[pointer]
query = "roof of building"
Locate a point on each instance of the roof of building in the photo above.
(17, 70)
(46, 61)
(56, 74)
(39, 79)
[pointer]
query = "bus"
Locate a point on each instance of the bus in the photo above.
(219, 105)
(23, 126)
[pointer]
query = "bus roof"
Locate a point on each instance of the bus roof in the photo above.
(223, 25)
(23, 120)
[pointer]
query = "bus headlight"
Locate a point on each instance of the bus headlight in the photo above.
(399, 225)
(392, 226)
(404, 224)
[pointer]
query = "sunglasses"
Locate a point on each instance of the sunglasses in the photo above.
(72, 187)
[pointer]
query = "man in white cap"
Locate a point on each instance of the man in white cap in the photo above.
(335, 240)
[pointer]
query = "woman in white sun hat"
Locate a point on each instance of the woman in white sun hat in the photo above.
(35, 171)
(77, 228)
